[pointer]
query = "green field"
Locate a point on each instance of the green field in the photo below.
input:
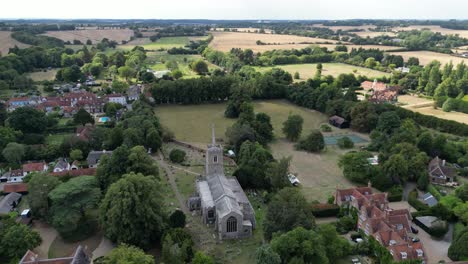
(307, 71)
(157, 61)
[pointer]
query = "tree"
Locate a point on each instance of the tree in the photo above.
(126, 254)
(177, 219)
(345, 143)
(140, 226)
(300, 246)
(263, 128)
(141, 162)
(265, 255)
(83, 117)
(17, 239)
(396, 167)
(177, 74)
(201, 258)
(153, 140)
(355, 166)
(76, 154)
(70, 202)
(39, 187)
(461, 211)
(314, 142)
(458, 249)
(425, 142)
(277, 173)
(297, 76)
(388, 122)
(462, 192)
(126, 72)
(335, 245)
(363, 117)
(177, 246)
(28, 120)
(238, 133)
(14, 153)
(292, 127)
(287, 210)
(200, 67)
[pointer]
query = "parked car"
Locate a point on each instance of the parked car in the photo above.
(414, 229)
(293, 179)
(415, 239)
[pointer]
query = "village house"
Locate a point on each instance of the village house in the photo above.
(378, 92)
(61, 165)
(391, 228)
(78, 257)
(221, 201)
(12, 176)
(84, 132)
(94, 157)
(18, 175)
(117, 98)
(134, 93)
(440, 172)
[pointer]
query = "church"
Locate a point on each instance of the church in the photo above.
(221, 200)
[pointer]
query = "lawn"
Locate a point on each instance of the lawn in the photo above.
(157, 61)
(56, 139)
(43, 75)
(319, 173)
(307, 71)
(161, 44)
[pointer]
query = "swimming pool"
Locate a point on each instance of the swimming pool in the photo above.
(333, 140)
(104, 119)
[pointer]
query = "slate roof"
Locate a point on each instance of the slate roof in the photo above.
(438, 168)
(429, 199)
(9, 202)
(94, 156)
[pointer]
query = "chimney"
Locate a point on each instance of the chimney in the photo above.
(369, 184)
(443, 162)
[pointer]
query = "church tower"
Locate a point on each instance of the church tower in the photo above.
(214, 157)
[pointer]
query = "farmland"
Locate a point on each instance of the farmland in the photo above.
(48, 75)
(426, 57)
(247, 30)
(443, 31)
(156, 61)
(7, 42)
(95, 35)
(373, 34)
(307, 71)
(425, 106)
(335, 28)
(225, 41)
(192, 124)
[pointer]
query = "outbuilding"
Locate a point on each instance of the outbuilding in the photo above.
(338, 121)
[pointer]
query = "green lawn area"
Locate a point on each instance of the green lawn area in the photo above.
(465, 98)
(43, 75)
(55, 139)
(307, 71)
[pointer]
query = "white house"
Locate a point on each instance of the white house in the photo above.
(62, 165)
(117, 98)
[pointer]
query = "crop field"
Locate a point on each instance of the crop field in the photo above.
(43, 75)
(307, 71)
(373, 34)
(95, 35)
(246, 30)
(351, 46)
(335, 28)
(225, 41)
(319, 173)
(443, 31)
(7, 42)
(425, 57)
(424, 106)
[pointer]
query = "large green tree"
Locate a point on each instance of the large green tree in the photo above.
(292, 127)
(363, 117)
(288, 209)
(71, 201)
(177, 246)
(16, 239)
(266, 255)
(355, 166)
(458, 250)
(82, 117)
(126, 254)
(28, 120)
(14, 153)
(314, 142)
(132, 211)
(39, 187)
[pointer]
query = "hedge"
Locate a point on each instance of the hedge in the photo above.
(325, 210)
(417, 204)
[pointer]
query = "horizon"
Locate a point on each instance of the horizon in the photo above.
(296, 10)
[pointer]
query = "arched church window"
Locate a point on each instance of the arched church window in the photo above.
(231, 224)
(215, 159)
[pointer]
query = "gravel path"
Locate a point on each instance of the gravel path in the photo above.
(103, 249)
(48, 235)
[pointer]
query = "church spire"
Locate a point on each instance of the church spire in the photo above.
(213, 138)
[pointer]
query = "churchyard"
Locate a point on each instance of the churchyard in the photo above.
(318, 173)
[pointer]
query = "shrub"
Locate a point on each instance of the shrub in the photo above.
(325, 210)
(177, 155)
(395, 194)
(314, 142)
(417, 204)
(177, 219)
(325, 128)
(345, 143)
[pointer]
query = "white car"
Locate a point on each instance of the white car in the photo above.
(293, 179)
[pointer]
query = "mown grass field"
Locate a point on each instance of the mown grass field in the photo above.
(319, 173)
(95, 35)
(425, 57)
(307, 71)
(43, 75)
(161, 44)
(7, 42)
(157, 61)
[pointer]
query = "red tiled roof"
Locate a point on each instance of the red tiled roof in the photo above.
(35, 166)
(15, 187)
(18, 99)
(367, 85)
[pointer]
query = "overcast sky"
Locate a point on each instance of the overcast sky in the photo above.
(236, 9)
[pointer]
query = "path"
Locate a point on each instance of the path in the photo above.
(171, 178)
(103, 249)
(48, 235)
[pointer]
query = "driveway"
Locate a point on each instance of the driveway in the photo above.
(401, 205)
(103, 249)
(435, 249)
(48, 235)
